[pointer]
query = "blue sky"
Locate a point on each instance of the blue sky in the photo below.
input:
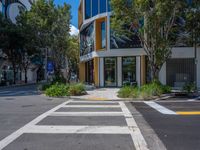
(74, 10)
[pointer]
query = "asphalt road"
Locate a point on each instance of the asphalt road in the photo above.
(20, 105)
(177, 132)
(29, 121)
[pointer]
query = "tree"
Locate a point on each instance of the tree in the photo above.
(11, 42)
(193, 21)
(72, 55)
(49, 25)
(153, 22)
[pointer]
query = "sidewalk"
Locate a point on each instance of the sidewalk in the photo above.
(100, 94)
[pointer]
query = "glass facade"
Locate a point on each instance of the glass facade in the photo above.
(102, 6)
(129, 70)
(103, 35)
(126, 39)
(110, 71)
(87, 40)
(89, 66)
(94, 7)
(87, 9)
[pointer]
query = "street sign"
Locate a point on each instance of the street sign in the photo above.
(50, 67)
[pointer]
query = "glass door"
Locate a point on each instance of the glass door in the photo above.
(110, 72)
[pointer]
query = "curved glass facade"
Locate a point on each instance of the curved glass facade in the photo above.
(95, 7)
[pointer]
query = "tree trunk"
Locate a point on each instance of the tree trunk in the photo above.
(14, 71)
(25, 73)
(154, 73)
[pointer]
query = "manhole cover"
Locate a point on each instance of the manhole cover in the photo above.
(9, 99)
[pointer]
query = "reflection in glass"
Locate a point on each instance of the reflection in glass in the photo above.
(95, 7)
(103, 35)
(87, 40)
(110, 72)
(87, 9)
(128, 70)
(102, 6)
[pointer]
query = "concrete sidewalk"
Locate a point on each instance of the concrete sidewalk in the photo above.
(100, 94)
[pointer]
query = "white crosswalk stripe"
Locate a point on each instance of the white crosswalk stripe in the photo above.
(130, 129)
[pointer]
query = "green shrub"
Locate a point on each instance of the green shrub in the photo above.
(147, 91)
(58, 79)
(77, 89)
(125, 92)
(57, 90)
(43, 87)
(189, 87)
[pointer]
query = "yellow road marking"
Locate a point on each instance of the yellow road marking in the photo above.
(188, 112)
(98, 98)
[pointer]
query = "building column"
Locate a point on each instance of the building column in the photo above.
(143, 70)
(198, 68)
(138, 70)
(82, 72)
(101, 72)
(163, 74)
(96, 71)
(119, 71)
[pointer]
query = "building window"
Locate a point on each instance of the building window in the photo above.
(87, 9)
(102, 6)
(109, 5)
(87, 40)
(110, 71)
(95, 7)
(103, 35)
(129, 70)
(89, 72)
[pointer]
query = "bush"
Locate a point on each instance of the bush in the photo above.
(57, 90)
(147, 91)
(43, 87)
(58, 79)
(77, 89)
(189, 87)
(125, 92)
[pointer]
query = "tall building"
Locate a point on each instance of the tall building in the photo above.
(11, 8)
(111, 60)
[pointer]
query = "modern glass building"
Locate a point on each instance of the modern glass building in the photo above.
(109, 59)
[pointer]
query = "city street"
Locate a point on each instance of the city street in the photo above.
(176, 122)
(30, 121)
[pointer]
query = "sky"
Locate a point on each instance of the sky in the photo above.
(74, 9)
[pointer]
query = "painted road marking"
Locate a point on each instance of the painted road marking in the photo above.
(87, 114)
(84, 101)
(92, 106)
(16, 134)
(98, 98)
(188, 112)
(160, 108)
(79, 129)
(137, 137)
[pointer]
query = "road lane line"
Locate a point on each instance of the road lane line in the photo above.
(86, 114)
(137, 137)
(92, 106)
(160, 108)
(78, 129)
(188, 112)
(84, 101)
(7, 140)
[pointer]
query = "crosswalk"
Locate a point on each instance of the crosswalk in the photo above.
(82, 109)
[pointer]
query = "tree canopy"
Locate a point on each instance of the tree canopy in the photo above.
(153, 22)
